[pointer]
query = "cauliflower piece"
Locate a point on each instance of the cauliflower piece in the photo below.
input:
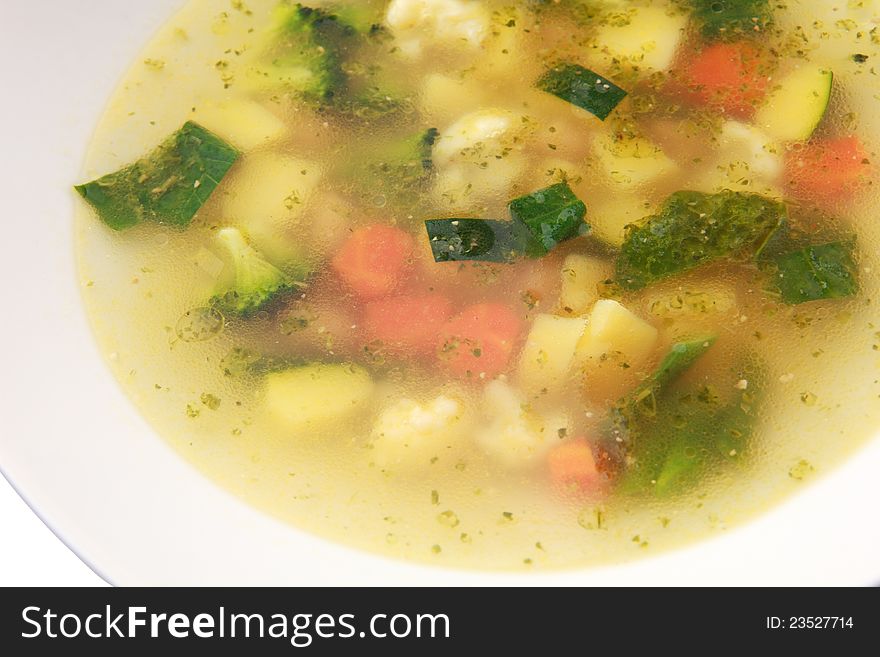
(479, 156)
(517, 436)
(446, 22)
(409, 434)
(752, 145)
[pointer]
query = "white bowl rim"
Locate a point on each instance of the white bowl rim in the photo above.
(131, 508)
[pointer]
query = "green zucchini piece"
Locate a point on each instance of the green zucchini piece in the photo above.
(794, 110)
(731, 20)
(552, 215)
(168, 186)
(582, 87)
(827, 271)
(693, 228)
(481, 240)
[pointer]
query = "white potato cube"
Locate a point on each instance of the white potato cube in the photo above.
(314, 397)
(649, 40)
(548, 355)
(632, 162)
(243, 123)
(581, 277)
(614, 329)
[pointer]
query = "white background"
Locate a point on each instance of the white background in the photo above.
(30, 554)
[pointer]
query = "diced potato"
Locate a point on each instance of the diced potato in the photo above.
(609, 218)
(614, 329)
(632, 162)
(444, 97)
(267, 195)
(581, 276)
(548, 355)
(615, 345)
(649, 40)
(312, 397)
(449, 23)
(409, 434)
(478, 136)
(243, 123)
(517, 437)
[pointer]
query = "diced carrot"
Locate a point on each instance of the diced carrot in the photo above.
(573, 467)
(479, 342)
(728, 77)
(374, 259)
(826, 171)
(407, 324)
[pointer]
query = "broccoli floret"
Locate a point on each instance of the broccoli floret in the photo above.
(404, 164)
(254, 284)
(309, 46)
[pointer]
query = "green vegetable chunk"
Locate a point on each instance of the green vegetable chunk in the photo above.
(692, 229)
(308, 51)
(398, 166)
(255, 283)
(817, 272)
(584, 88)
(728, 20)
(540, 222)
(482, 240)
(552, 215)
(168, 186)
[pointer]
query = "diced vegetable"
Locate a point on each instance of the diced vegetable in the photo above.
(409, 434)
(373, 260)
(610, 217)
(727, 77)
(479, 342)
(615, 330)
(795, 108)
(540, 221)
(517, 436)
(829, 170)
(679, 359)
(316, 396)
(573, 469)
(447, 23)
(244, 123)
(552, 215)
(584, 88)
(630, 162)
(581, 277)
(407, 325)
(399, 167)
(168, 186)
(306, 54)
(691, 436)
(268, 194)
(732, 19)
(827, 271)
(649, 39)
(693, 228)
(547, 358)
(745, 146)
(254, 283)
(487, 240)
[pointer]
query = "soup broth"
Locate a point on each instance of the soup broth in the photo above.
(495, 284)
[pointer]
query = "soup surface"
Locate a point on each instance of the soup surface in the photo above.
(496, 284)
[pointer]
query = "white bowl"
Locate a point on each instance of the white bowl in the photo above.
(81, 455)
